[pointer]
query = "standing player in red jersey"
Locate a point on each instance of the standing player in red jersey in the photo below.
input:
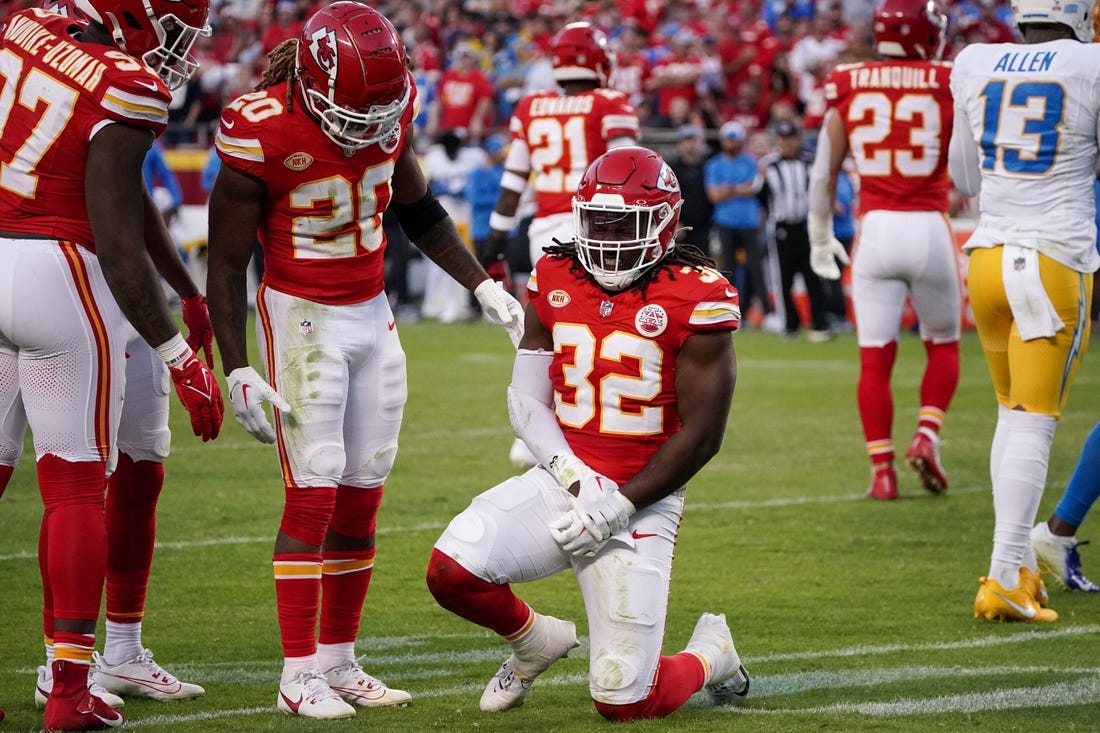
(310, 162)
(74, 219)
(894, 116)
(136, 478)
(624, 377)
(555, 136)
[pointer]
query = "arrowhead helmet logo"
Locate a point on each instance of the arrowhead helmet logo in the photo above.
(322, 46)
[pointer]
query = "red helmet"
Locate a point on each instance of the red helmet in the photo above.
(912, 29)
(625, 214)
(354, 75)
(67, 8)
(159, 32)
(580, 52)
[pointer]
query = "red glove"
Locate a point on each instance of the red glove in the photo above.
(199, 392)
(200, 334)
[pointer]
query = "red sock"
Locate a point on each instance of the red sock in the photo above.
(297, 593)
(346, 572)
(941, 377)
(678, 677)
(5, 477)
(876, 404)
(132, 493)
(76, 534)
(44, 572)
(464, 594)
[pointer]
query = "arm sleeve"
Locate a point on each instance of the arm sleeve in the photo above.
(963, 156)
(530, 405)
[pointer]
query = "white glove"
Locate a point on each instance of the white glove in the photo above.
(501, 308)
(586, 528)
(247, 392)
(824, 255)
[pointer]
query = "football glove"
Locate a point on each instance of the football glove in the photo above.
(200, 334)
(602, 513)
(199, 392)
(247, 392)
(824, 256)
(501, 308)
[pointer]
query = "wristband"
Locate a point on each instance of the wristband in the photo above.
(175, 351)
(502, 223)
(568, 469)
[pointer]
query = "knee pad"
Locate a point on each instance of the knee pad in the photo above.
(611, 670)
(356, 511)
(307, 513)
(326, 462)
(376, 469)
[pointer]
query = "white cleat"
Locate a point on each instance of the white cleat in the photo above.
(309, 695)
(142, 677)
(357, 687)
(521, 456)
(549, 640)
(43, 686)
(726, 681)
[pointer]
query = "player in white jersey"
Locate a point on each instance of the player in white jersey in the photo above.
(1026, 137)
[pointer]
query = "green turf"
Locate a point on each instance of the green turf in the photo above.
(850, 614)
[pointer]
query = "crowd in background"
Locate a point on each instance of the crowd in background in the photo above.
(703, 62)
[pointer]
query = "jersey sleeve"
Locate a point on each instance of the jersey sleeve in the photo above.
(835, 86)
(714, 304)
(238, 144)
(136, 98)
(619, 117)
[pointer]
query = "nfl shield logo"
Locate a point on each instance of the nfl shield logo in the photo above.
(1019, 264)
(605, 308)
(306, 327)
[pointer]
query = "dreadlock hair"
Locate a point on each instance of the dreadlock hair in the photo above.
(682, 255)
(281, 67)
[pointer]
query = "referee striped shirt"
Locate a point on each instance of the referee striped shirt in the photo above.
(788, 187)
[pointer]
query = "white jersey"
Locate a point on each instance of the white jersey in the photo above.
(1033, 111)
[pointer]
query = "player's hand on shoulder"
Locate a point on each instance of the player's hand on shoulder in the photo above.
(248, 391)
(501, 308)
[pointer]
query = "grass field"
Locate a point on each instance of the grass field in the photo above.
(849, 614)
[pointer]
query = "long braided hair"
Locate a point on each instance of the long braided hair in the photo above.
(281, 67)
(682, 255)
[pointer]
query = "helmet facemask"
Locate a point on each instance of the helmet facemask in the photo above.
(172, 59)
(354, 129)
(618, 242)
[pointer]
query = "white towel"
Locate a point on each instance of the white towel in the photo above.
(1032, 310)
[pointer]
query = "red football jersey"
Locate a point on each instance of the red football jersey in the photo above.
(564, 134)
(614, 368)
(321, 227)
(898, 116)
(55, 94)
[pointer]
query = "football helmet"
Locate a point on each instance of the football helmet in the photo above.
(159, 32)
(67, 8)
(1078, 16)
(911, 29)
(580, 52)
(625, 213)
(353, 75)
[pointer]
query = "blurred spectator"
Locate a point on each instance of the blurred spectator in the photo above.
(483, 189)
(634, 68)
(733, 184)
(688, 165)
(161, 182)
(286, 24)
(674, 78)
(466, 96)
(814, 56)
(448, 165)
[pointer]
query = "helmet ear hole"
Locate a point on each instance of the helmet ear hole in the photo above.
(131, 21)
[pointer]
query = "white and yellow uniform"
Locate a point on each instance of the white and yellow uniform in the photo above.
(1026, 132)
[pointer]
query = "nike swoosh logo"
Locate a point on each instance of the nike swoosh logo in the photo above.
(1025, 611)
(642, 535)
(244, 394)
(228, 125)
(291, 703)
(391, 325)
(730, 293)
(150, 85)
